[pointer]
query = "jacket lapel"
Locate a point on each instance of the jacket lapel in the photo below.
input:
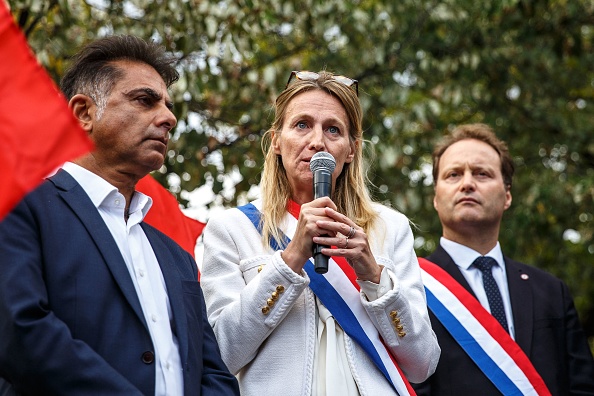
(173, 282)
(522, 304)
(80, 203)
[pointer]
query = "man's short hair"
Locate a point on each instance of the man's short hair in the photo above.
(93, 73)
(483, 133)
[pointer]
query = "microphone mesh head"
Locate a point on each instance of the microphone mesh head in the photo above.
(322, 161)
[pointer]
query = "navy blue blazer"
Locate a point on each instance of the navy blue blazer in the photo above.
(546, 327)
(70, 318)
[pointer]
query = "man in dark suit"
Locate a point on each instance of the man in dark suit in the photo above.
(473, 172)
(93, 300)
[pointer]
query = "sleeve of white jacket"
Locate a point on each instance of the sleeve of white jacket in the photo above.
(400, 315)
(238, 278)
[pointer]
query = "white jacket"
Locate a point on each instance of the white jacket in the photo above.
(273, 353)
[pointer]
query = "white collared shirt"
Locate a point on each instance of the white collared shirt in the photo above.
(144, 270)
(464, 256)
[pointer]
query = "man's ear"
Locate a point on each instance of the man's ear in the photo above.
(83, 108)
(508, 197)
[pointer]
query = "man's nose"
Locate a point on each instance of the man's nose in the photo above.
(467, 181)
(166, 118)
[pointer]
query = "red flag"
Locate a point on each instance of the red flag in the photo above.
(166, 216)
(37, 130)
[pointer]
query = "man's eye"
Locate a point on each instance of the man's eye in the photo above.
(333, 130)
(301, 125)
(145, 100)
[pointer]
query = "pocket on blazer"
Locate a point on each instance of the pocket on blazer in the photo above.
(251, 267)
(548, 323)
(195, 316)
(192, 300)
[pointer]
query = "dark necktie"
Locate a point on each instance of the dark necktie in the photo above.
(484, 264)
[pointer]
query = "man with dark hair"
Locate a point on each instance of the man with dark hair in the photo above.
(504, 327)
(92, 299)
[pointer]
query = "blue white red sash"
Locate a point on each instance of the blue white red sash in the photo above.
(339, 292)
(479, 334)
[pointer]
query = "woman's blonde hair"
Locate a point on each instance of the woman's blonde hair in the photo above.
(350, 194)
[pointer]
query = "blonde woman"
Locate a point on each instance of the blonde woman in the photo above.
(284, 329)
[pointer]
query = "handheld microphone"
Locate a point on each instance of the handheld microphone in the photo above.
(322, 165)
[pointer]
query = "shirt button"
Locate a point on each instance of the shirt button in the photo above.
(141, 272)
(154, 317)
(117, 202)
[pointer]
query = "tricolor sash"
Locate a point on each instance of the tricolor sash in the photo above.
(339, 292)
(480, 335)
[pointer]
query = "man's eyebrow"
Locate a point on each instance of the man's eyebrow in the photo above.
(150, 92)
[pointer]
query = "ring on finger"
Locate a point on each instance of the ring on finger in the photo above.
(351, 232)
(346, 242)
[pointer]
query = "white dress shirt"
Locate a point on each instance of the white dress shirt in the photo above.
(464, 256)
(144, 270)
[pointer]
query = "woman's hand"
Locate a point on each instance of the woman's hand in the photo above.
(300, 248)
(351, 243)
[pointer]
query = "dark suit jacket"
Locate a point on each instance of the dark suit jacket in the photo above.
(546, 329)
(70, 318)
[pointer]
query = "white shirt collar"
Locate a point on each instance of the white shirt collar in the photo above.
(464, 256)
(99, 189)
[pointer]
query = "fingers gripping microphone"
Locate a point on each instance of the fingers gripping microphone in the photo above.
(322, 165)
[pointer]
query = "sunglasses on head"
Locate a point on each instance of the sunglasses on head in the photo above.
(312, 76)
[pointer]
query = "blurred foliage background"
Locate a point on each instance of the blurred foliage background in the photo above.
(522, 66)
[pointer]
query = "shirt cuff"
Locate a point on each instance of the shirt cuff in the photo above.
(372, 290)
